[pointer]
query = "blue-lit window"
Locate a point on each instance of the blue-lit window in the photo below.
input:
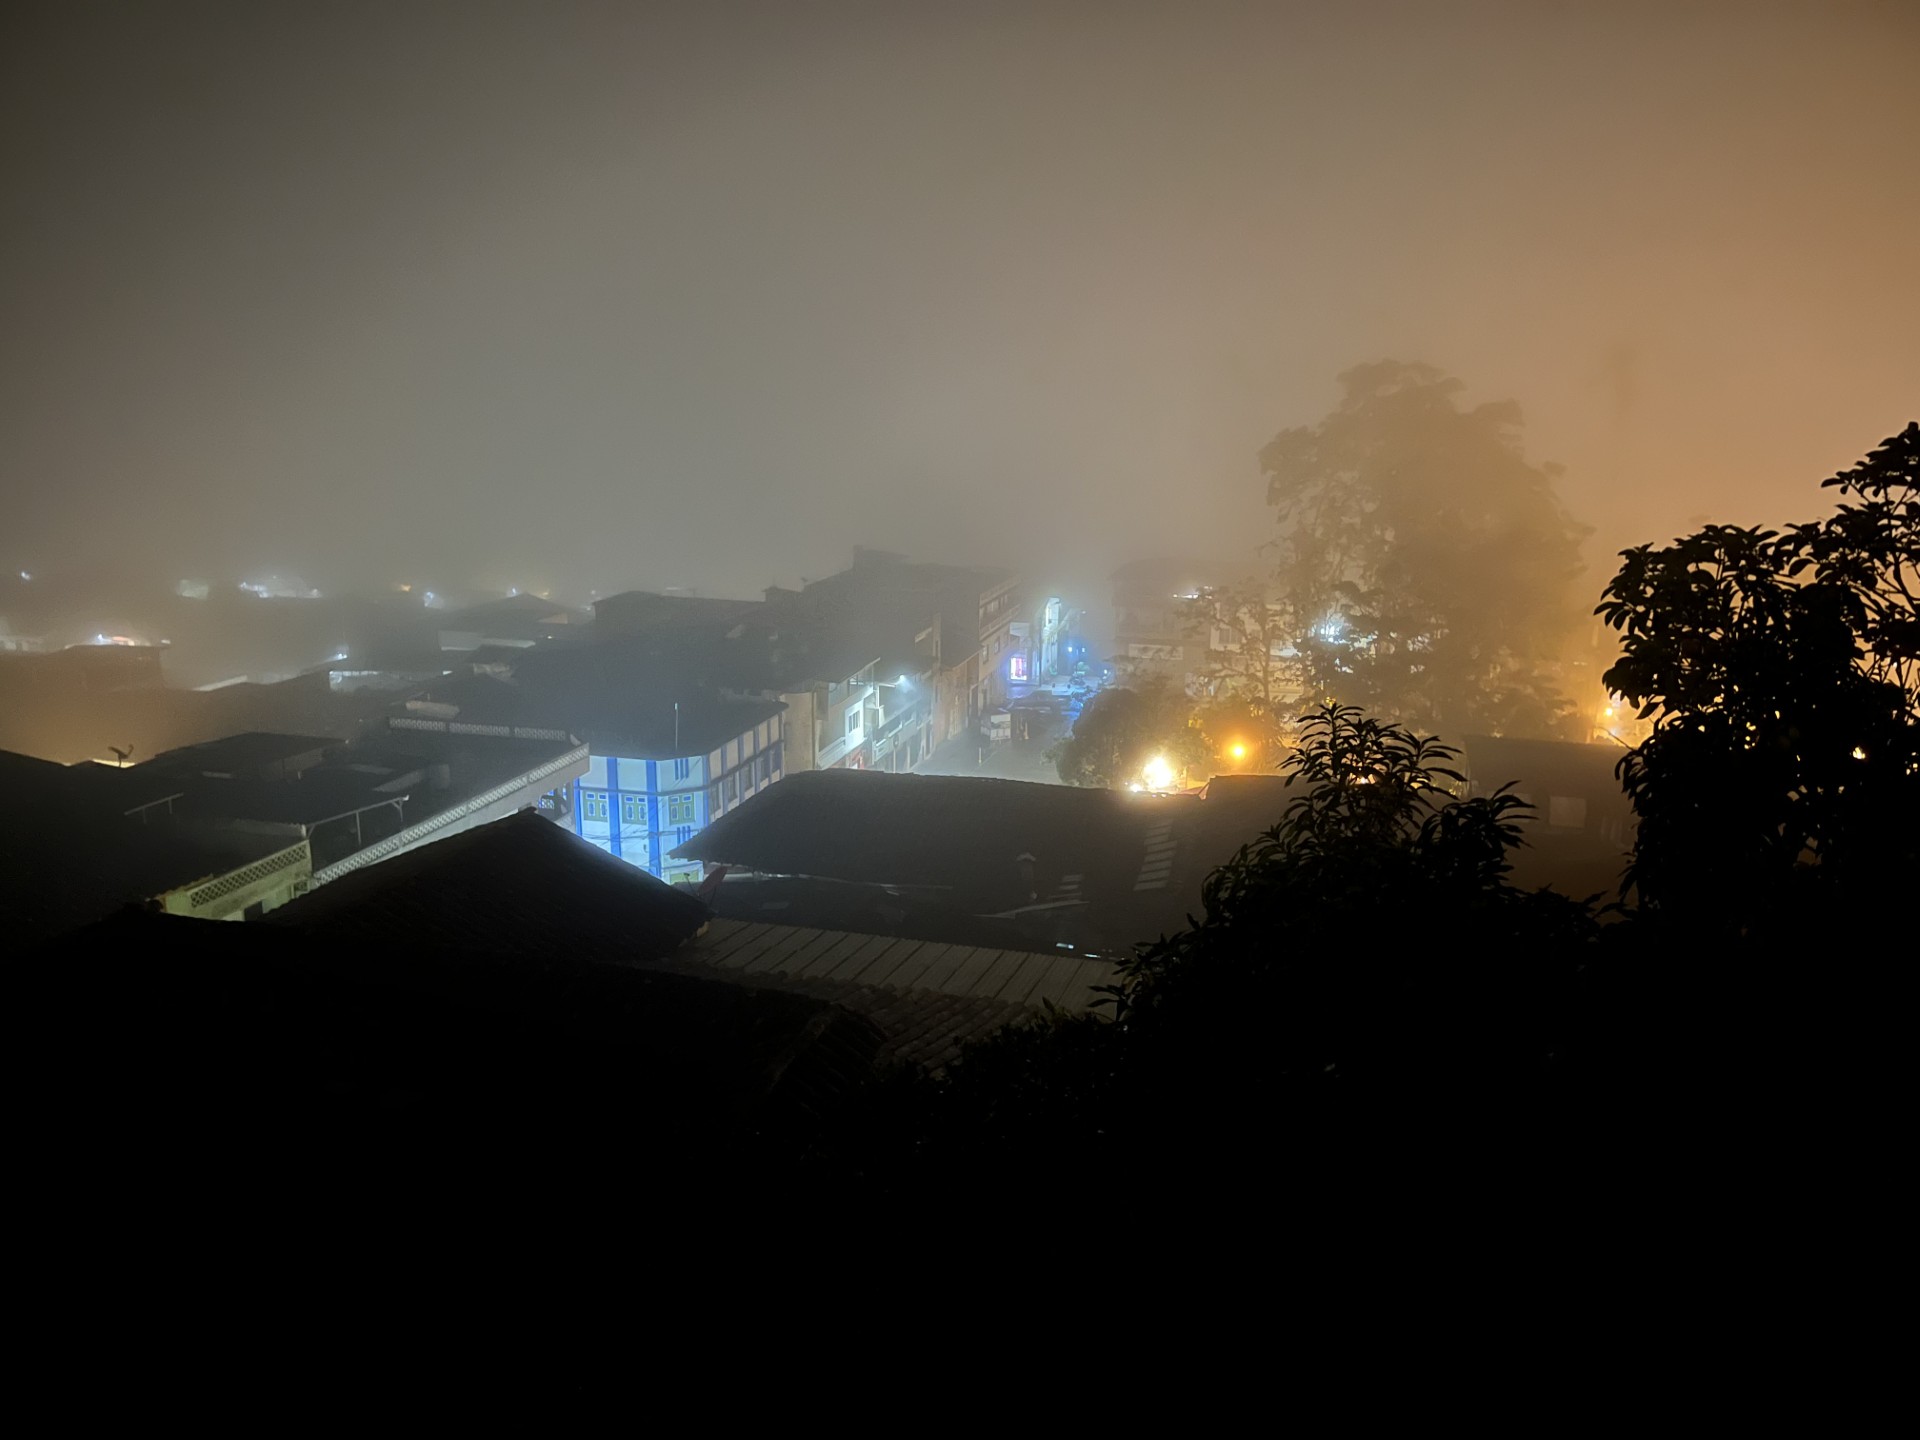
(680, 809)
(633, 809)
(682, 768)
(684, 834)
(593, 804)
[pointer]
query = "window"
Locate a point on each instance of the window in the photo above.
(775, 724)
(730, 789)
(680, 809)
(633, 809)
(682, 768)
(746, 744)
(713, 799)
(593, 804)
(683, 834)
(760, 770)
(853, 722)
(1567, 812)
(733, 753)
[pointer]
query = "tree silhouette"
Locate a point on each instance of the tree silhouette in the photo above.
(1430, 565)
(1244, 641)
(1121, 728)
(1779, 785)
(1362, 968)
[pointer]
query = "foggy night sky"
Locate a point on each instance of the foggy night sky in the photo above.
(704, 295)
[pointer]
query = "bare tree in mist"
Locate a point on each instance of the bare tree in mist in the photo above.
(1431, 565)
(1244, 639)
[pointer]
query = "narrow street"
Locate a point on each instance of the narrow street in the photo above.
(1022, 758)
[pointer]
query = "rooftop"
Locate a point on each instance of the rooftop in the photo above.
(394, 1030)
(249, 754)
(1099, 870)
(523, 887)
(912, 829)
(518, 885)
(104, 789)
(66, 861)
(619, 708)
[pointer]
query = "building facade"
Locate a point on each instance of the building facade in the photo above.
(639, 807)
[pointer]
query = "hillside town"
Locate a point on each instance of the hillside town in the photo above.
(661, 665)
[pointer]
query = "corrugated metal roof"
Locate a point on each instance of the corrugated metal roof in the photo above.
(889, 962)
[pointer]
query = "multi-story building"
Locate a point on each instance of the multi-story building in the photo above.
(1152, 616)
(648, 790)
(665, 751)
(965, 627)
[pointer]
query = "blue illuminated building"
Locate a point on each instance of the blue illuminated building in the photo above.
(644, 794)
(668, 755)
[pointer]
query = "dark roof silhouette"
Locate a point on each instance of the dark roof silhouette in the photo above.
(1107, 868)
(69, 854)
(941, 830)
(250, 754)
(608, 698)
(521, 885)
(100, 789)
(177, 1034)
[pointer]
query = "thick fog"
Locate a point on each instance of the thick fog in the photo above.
(591, 296)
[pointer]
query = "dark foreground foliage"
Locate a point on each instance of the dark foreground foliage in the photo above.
(1364, 977)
